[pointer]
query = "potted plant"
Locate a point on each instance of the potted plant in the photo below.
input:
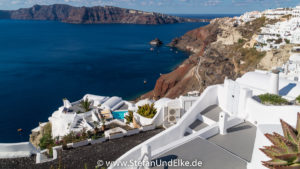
(145, 115)
(284, 152)
(148, 111)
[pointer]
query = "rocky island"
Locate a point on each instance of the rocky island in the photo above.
(156, 42)
(92, 15)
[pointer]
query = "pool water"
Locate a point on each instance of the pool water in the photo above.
(119, 114)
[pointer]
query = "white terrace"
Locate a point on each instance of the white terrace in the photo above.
(224, 128)
(72, 117)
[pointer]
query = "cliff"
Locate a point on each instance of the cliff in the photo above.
(92, 15)
(220, 49)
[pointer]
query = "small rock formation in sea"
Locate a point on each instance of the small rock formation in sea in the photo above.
(156, 42)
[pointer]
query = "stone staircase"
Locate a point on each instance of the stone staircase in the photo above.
(207, 117)
(79, 124)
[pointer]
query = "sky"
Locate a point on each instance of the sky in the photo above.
(165, 6)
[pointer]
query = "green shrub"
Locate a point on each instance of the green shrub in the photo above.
(50, 153)
(272, 99)
(147, 110)
(97, 136)
(251, 56)
(241, 41)
(75, 137)
(278, 41)
(46, 139)
(287, 41)
(298, 99)
(47, 142)
(85, 104)
(69, 138)
(129, 117)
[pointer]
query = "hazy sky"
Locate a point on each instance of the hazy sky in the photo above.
(166, 6)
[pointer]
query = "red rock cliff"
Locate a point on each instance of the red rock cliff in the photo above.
(212, 59)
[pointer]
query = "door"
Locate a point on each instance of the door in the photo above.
(233, 93)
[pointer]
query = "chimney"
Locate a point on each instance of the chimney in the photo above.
(274, 82)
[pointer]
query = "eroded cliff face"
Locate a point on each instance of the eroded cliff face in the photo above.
(220, 49)
(91, 15)
(275, 58)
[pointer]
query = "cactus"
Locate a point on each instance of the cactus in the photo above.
(285, 151)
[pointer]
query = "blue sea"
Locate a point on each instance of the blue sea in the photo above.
(42, 62)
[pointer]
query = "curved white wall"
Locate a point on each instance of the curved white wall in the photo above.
(262, 114)
(157, 120)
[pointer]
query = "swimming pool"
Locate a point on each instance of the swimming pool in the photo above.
(118, 114)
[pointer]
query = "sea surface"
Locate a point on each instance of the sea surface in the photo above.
(43, 62)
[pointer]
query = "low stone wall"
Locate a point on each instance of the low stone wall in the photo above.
(39, 157)
(17, 150)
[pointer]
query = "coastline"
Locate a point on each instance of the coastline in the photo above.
(74, 69)
(212, 95)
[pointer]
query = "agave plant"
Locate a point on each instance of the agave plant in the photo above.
(147, 110)
(85, 104)
(285, 151)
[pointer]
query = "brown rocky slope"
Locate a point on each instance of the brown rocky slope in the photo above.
(219, 50)
(92, 15)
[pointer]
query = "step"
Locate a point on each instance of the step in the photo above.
(212, 112)
(198, 125)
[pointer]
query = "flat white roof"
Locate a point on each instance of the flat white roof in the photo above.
(261, 81)
(112, 102)
(295, 57)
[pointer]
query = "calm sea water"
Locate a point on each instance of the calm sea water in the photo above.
(42, 62)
